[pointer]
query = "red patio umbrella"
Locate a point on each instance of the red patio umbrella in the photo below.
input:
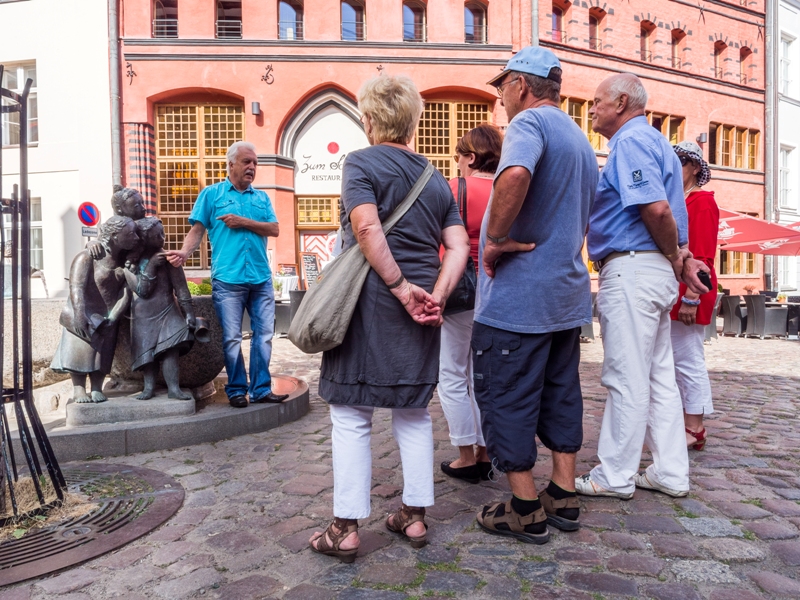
(776, 247)
(736, 229)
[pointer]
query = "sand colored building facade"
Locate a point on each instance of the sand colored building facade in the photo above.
(284, 74)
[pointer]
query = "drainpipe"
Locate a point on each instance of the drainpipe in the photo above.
(771, 126)
(114, 75)
(534, 22)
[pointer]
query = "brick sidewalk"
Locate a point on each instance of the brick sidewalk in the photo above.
(252, 502)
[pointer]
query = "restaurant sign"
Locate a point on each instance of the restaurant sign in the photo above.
(320, 152)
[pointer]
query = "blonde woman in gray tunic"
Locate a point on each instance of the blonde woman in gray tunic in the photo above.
(390, 354)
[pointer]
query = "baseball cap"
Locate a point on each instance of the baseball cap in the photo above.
(534, 60)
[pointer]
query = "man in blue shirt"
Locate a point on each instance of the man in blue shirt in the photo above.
(638, 233)
(238, 219)
(533, 297)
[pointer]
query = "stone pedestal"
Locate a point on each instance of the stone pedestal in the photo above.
(126, 409)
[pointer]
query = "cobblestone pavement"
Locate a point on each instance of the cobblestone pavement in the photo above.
(252, 502)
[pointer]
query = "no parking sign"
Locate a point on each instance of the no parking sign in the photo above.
(89, 215)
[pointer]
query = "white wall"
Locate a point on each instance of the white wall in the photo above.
(71, 163)
(789, 133)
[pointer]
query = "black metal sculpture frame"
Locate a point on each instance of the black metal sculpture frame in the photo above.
(30, 428)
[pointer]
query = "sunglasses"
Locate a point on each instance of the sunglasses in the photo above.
(502, 85)
(685, 160)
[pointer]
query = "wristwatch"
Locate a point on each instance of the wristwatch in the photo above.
(496, 240)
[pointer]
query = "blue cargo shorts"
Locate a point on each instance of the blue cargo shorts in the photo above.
(527, 384)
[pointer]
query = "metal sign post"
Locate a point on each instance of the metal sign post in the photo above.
(30, 428)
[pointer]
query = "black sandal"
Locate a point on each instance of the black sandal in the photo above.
(345, 528)
(512, 524)
(566, 506)
(400, 521)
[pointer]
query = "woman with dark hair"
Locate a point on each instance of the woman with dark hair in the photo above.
(693, 312)
(477, 155)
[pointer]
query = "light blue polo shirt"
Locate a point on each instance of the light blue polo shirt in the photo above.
(641, 168)
(239, 256)
(547, 289)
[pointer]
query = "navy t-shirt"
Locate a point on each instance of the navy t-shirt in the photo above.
(548, 288)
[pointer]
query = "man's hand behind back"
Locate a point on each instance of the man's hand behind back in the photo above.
(493, 252)
(691, 267)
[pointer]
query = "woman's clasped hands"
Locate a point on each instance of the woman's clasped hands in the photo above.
(424, 308)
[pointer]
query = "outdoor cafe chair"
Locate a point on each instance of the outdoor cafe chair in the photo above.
(735, 316)
(765, 321)
(711, 328)
(793, 325)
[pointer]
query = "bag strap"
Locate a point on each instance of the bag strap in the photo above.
(462, 199)
(410, 198)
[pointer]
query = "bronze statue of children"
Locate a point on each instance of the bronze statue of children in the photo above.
(98, 297)
(159, 331)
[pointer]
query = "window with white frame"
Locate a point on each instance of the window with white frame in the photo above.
(787, 273)
(784, 177)
(14, 78)
(37, 240)
(786, 63)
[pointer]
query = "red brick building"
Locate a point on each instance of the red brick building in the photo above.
(283, 74)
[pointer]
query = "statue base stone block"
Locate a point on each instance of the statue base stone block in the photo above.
(125, 409)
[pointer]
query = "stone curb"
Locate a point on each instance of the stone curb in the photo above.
(215, 423)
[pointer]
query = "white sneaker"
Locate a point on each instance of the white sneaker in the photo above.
(642, 481)
(585, 486)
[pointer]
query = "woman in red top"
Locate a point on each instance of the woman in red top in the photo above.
(478, 154)
(693, 312)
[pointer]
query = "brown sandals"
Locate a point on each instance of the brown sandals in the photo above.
(343, 528)
(400, 521)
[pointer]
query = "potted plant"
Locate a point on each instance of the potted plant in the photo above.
(781, 298)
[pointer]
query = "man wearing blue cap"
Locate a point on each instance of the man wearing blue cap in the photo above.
(533, 297)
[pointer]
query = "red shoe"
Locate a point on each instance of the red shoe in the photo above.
(700, 436)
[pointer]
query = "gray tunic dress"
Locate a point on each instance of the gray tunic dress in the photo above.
(386, 359)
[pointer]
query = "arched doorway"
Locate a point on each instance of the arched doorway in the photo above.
(319, 137)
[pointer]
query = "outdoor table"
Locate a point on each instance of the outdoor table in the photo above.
(792, 319)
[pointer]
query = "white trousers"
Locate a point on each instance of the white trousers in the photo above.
(690, 368)
(455, 381)
(643, 404)
(352, 457)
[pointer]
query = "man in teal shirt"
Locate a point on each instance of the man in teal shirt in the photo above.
(239, 219)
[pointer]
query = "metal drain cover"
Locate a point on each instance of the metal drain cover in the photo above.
(132, 502)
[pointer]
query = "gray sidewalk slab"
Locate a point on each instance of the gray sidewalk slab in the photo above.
(253, 501)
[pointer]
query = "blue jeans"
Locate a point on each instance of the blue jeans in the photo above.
(230, 300)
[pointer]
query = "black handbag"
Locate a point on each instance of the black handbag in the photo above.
(463, 295)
